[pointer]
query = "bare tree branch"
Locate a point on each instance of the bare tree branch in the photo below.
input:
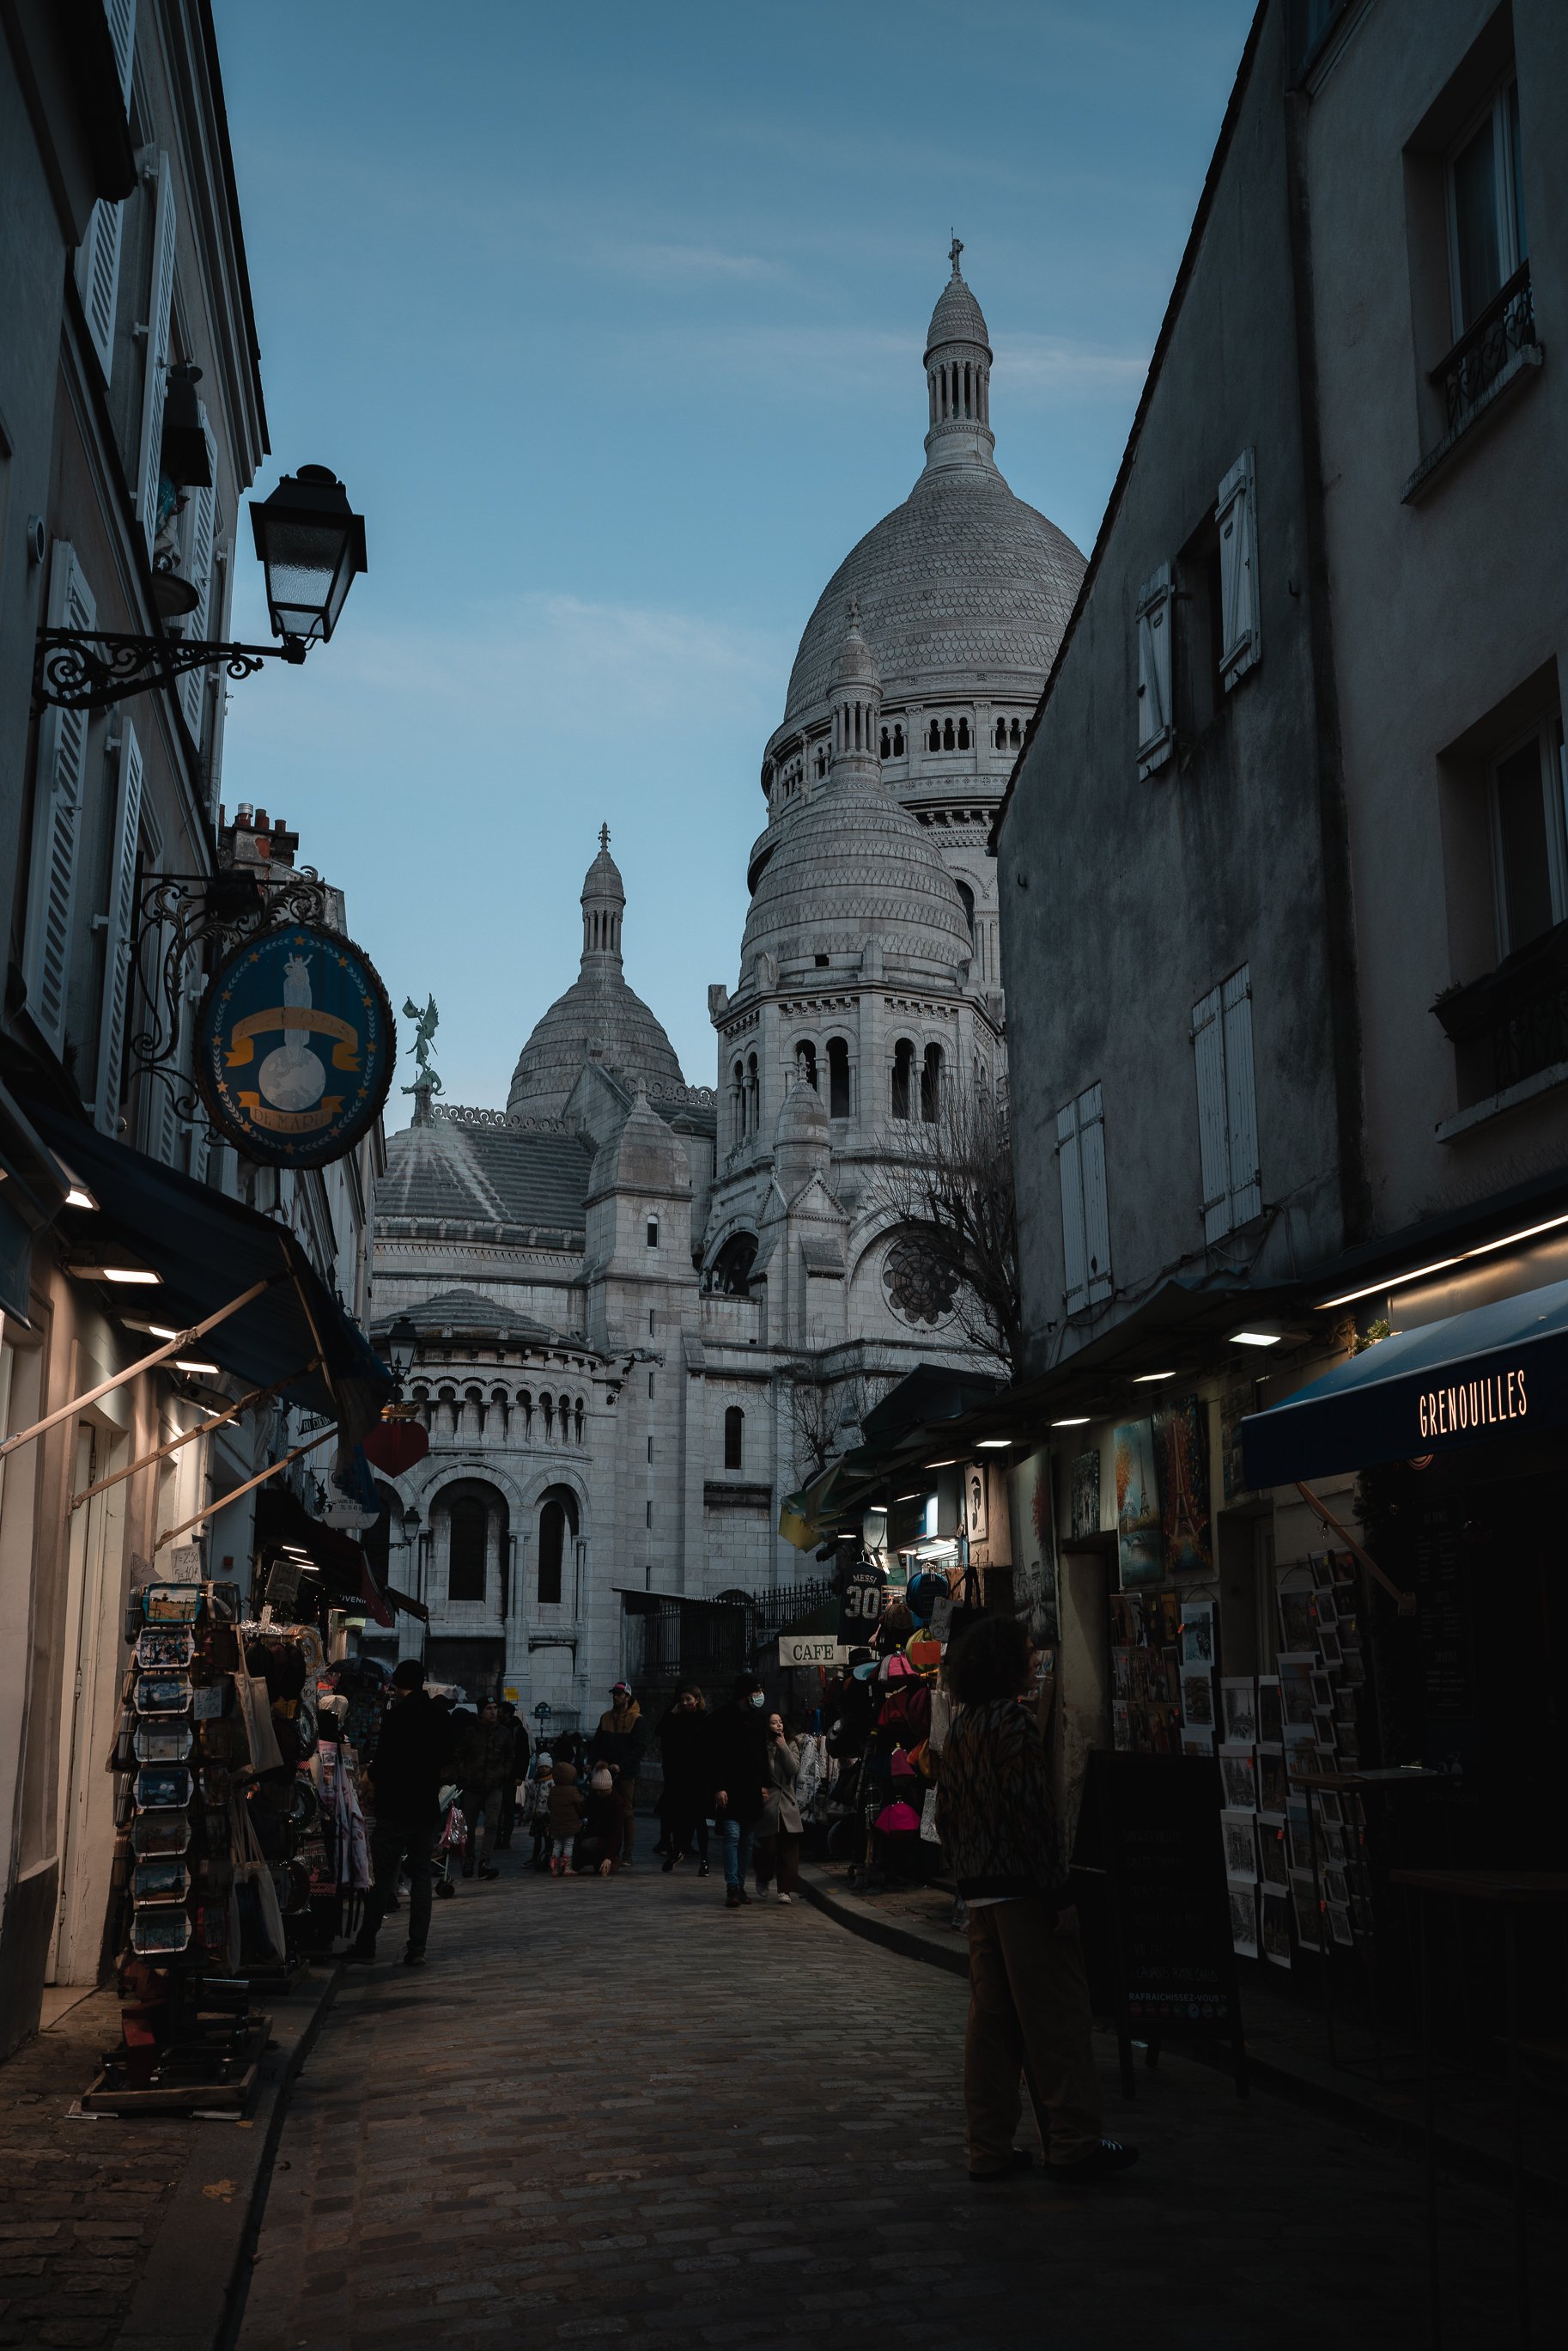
(945, 1181)
(824, 1413)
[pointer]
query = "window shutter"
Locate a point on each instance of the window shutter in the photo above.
(198, 571)
(1074, 1251)
(97, 278)
(1236, 519)
(1213, 1149)
(1096, 1217)
(159, 313)
(1156, 609)
(121, 939)
(1240, 1098)
(121, 15)
(57, 820)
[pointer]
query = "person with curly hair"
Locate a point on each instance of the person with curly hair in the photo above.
(1029, 1998)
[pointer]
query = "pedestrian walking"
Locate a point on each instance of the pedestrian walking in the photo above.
(1029, 1998)
(522, 1746)
(597, 1849)
(411, 1759)
(566, 1810)
(484, 1762)
(741, 1779)
(779, 1829)
(621, 1740)
(683, 1742)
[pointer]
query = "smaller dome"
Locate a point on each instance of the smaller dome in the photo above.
(852, 865)
(803, 1116)
(856, 663)
(602, 881)
(958, 317)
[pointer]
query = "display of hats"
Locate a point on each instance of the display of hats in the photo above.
(897, 1819)
(902, 1767)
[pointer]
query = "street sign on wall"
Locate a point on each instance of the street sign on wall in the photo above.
(294, 1046)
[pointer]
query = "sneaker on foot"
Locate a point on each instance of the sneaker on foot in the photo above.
(781, 1898)
(702, 1869)
(412, 1959)
(1101, 2162)
(670, 1865)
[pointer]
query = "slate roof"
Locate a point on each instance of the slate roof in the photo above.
(495, 1177)
(471, 1313)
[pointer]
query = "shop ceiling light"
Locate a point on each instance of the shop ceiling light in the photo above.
(1148, 1379)
(96, 1269)
(951, 1463)
(908, 1498)
(77, 1193)
(187, 1364)
(1256, 1338)
(1072, 1420)
(1442, 1264)
(993, 1444)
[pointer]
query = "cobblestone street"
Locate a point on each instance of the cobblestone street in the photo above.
(614, 2113)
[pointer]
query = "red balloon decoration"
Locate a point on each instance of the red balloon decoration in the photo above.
(394, 1446)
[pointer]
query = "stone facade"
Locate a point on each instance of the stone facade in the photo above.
(709, 1271)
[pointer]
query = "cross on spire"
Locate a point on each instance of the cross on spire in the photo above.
(954, 249)
(604, 836)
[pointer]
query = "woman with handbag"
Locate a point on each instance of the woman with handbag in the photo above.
(777, 1846)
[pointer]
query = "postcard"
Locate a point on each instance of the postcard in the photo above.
(1274, 1913)
(1273, 1790)
(1328, 1646)
(1339, 1923)
(1244, 1919)
(1239, 1835)
(1298, 1627)
(1198, 1697)
(1270, 1714)
(1197, 1633)
(1296, 1669)
(1304, 1905)
(1336, 1886)
(1273, 1862)
(1240, 1701)
(1238, 1779)
(1196, 1743)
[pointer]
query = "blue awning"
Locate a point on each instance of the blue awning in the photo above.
(1498, 1371)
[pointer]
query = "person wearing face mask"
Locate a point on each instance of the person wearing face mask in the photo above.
(741, 1779)
(683, 1738)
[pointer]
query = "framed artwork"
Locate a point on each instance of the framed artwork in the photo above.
(1181, 1440)
(976, 1520)
(1140, 1539)
(1084, 1495)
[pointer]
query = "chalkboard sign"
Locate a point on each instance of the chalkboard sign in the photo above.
(1148, 1867)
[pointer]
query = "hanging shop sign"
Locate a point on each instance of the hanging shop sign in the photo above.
(295, 1047)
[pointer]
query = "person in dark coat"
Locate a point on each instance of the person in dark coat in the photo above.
(522, 1749)
(484, 1762)
(683, 1739)
(740, 1779)
(598, 1848)
(621, 1741)
(412, 1760)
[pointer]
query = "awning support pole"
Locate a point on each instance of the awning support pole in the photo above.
(181, 1340)
(1404, 1601)
(204, 1428)
(310, 1445)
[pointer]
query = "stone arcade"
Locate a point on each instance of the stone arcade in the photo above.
(646, 1309)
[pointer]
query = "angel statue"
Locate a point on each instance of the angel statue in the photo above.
(424, 1020)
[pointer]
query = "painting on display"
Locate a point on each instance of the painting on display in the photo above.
(1181, 1433)
(1085, 1494)
(974, 1512)
(1140, 1539)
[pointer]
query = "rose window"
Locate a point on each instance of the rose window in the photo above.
(920, 1283)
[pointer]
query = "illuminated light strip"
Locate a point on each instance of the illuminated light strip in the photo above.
(1482, 1249)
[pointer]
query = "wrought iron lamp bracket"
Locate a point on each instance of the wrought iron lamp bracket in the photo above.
(182, 917)
(89, 669)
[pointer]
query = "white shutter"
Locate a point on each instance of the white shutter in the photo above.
(97, 278)
(57, 820)
(199, 572)
(1155, 611)
(1096, 1215)
(1236, 519)
(121, 15)
(1240, 1098)
(1214, 1148)
(159, 313)
(122, 937)
(1075, 1253)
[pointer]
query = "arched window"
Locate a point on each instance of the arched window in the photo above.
(806, 1060)
(903, 1065)
(731, 1271)
(887, 744)
(449, 1397)
(931, 1082)
(525, 1406)
(947, 735)
(935, 736)
(734, 1435)
(822, 758)
(837, 1078)
(963, 735)
(468, 1523)
(577, 1418)
(566, 1420)
(547, 1407)
(897, 742)
(966, 895)
(498, 1404)
(1001, 734)
(652, 1235)
(552, 1549)
(754, 1094)
(1015, 734)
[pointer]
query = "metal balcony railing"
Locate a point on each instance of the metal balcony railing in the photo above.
(1506, 327)
(1513, 1023)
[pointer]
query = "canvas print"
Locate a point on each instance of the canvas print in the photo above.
(1239, 1834)
(1181, 1439)
(1197, 1633)
(1271, 1719)
(1239, 1703)
(1244, 1919)
(976, 1520)
(1273, 1861)
(1084, 1490)
(1238, 1780)
(1198, 1699)
(1274, 1925)
(1140, 1542)
(1304, 1909)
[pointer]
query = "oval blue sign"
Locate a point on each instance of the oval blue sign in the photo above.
(294, 1046)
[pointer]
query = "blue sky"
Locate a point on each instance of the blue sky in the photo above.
(611, 320)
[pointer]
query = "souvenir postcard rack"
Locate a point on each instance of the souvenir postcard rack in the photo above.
(189, 2035)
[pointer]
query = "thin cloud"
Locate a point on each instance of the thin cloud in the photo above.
(1046, 365)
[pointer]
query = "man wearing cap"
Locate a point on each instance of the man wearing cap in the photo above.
(619, 1739)
(413, 1757)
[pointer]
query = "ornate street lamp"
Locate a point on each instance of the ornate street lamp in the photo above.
(311, 545)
